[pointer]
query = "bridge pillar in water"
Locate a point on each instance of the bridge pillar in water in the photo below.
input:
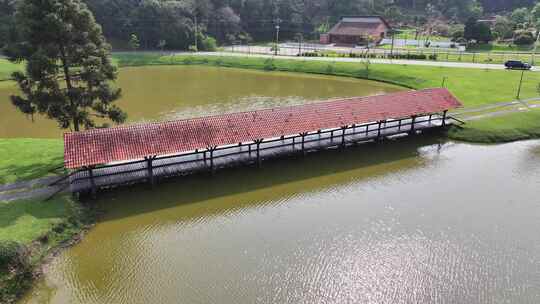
(212, 167)
(258, 142)
(413, 122)
(444, 118)
(150, 168)
(93, 187)
(303, 135)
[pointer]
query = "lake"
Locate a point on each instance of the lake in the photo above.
(173, 92)
(418, 220)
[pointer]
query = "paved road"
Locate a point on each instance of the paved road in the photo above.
(359, 60)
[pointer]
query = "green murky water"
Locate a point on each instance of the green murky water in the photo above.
(165, 93)
(414, 221)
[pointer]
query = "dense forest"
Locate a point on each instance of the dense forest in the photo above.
(173, 23)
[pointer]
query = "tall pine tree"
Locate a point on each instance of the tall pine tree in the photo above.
(69, 75)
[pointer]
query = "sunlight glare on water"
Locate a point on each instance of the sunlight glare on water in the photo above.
(413, 221)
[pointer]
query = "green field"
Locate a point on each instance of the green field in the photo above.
(26, 220)
(6, 68)
(35, 228)
(511, 127)
(500, 47)
(24, 159)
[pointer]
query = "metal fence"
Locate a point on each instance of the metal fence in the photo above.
(428, 54)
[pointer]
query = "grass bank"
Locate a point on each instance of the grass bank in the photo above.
(30, 231)
(24, 159)
(507, 128)
(6, 68)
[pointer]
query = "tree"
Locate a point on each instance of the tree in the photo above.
(480, 32)
(7, 8)
(134, 43)
(161, 44)
(524, 38)
(68, 75)
(393, 14)
(503, 27)
(521, 17)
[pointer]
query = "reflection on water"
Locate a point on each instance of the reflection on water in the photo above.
(172, 92)
(413, 221)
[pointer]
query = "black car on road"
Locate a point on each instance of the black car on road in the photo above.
(517, 65)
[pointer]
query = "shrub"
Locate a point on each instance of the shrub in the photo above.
(524, 38)
(13, 255)
(208, 44)
(330, 69)
(269, 65)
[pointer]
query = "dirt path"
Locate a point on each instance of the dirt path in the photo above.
(37, 188)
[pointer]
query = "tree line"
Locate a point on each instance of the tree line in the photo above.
(181, 24)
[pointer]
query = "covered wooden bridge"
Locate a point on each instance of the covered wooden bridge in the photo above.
(144, 152)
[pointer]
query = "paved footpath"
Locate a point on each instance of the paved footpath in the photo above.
(36, 188)
(360, 60)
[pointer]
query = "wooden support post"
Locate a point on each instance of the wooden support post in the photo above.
(343, 129)
(259, 141)
(444, 118)
(204, 156)
(379, 130)
(367, 130)
(430, 116)
(249, 147)
(93, 187)
(212, 168)
(413, 122)
(303, 142)
(150, 168)
(399, 125)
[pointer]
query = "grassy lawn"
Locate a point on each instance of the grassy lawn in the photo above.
(26, 220)
(24, 159)
(511, 127)
(6, 68)
(410, 34)
(29, 231)
(500, 47)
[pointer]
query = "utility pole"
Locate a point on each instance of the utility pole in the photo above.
(535, 46)
(393, 39)
(300, 39)
(276, 47)
(196, 34)
(520, 84)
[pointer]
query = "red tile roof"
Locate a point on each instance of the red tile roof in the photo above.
(102, 146)
(360, 26)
